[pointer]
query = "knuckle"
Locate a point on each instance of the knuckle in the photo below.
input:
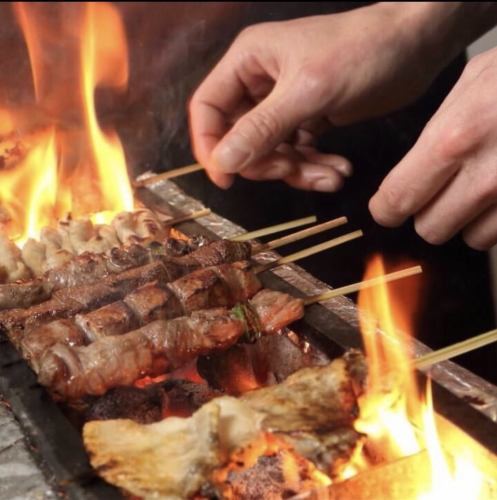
(253, 32)
(263, 125)
(475, 65)
(485, 190)
(454, 142)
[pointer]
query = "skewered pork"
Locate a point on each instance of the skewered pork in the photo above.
(73, 372)
(174, 458)
(214, 286)
(67, 302)
(89, 268)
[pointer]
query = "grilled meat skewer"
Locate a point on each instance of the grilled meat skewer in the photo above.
(73, 300)
(215, 286)
(163, 345)
(89, 268)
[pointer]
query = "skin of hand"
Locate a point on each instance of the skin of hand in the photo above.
(258, 112)
(448, 180)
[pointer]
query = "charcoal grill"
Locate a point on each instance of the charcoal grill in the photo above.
(56, 442)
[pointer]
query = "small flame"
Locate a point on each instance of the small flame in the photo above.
(393, 401)
(72, 165)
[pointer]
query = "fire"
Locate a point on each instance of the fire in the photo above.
(71, 166)
(293, 472)
(394, 401)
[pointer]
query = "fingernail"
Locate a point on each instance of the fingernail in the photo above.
(344, 168)
(231, 155)
(325, 184)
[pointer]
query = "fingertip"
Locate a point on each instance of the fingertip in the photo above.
(327, 184)
(222, 181)
(344, 167)
(380, 214)
(230, 155)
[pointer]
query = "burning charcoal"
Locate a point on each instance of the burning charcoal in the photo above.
(183, 397)
(141, 405)
(268, 361)
(267, 478)
(189, 450)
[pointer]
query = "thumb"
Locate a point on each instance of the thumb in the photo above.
(259, 131)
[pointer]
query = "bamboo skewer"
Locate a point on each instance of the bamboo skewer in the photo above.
(361, 285)
(456, 349)
(187, 217)
(299, 235)
(277, 228)
(171, 174)
(309, 251)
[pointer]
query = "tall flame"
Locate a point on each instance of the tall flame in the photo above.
(71, 165)
(394, 401)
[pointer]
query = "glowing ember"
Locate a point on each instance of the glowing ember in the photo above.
(71, 165)
(393, 402)
(271, 456)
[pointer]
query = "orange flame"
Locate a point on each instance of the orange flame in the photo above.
(298, 474)
(72, 165)
(393, 400)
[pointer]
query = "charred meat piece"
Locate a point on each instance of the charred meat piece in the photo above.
(126, 454)
(223, 285)
(73, 372)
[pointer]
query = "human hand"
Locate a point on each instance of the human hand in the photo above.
(260, 109)
(448, 180)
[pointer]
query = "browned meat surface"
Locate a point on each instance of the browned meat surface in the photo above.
(80, 270)
(215, 253)
(215, 286)
(151, 302)
(276, 310)
(130, 280)
(23, 294)
(113, 319)
(16, 321)
(39, 340)
(72, 373)
(68, 302)
(121, 259)
(88, 268)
